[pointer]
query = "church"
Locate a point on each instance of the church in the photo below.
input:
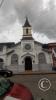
(26, 55)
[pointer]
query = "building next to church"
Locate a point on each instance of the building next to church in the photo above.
(26, 55)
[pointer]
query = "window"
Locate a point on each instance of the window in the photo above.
(41, 58)
(14, 59)
(27, 31)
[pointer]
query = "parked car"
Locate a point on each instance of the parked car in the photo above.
(5, 73)
(13, 91)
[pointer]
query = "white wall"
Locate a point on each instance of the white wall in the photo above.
(19, 49)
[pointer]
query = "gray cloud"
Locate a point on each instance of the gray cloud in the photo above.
(42, 21)
(7, 15)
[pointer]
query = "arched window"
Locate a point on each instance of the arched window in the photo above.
(41, 58)
(14, 59)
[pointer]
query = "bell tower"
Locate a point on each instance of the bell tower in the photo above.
(27, 29)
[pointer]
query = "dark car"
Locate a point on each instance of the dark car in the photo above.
(5, 73)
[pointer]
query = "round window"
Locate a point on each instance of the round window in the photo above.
(28, 46)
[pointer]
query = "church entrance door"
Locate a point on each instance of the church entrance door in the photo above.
(28, 63)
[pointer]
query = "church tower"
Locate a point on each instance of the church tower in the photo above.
(27, 29)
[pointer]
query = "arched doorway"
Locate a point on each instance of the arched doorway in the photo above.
(28, 63)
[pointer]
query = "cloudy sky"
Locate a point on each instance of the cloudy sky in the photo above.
(41, 15)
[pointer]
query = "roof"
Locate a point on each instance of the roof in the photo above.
(31, 38)
(27, 38)
(52, 44)
(8, 44)
(48, 47)
(27, 24)
(38, 42)
(18, 43)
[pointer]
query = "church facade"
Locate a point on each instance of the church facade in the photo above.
(27, 55)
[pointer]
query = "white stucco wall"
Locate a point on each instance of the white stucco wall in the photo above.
(19, 49)
(29, 30)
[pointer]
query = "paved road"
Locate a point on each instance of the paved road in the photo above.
(31, 81)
